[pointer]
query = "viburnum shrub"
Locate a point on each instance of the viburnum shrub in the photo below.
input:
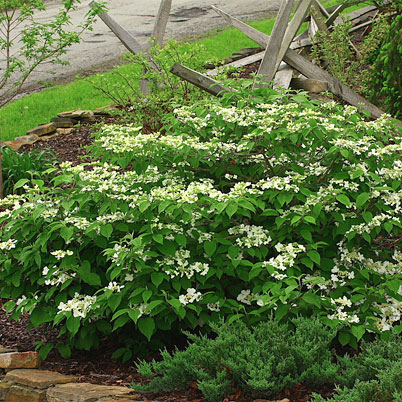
(248, 206)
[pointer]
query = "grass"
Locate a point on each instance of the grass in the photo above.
(29, 111)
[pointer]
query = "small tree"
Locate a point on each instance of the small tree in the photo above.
(27, 43)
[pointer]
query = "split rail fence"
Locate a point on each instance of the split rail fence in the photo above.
(282, 61)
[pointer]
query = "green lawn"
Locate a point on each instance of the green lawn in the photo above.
(29, 111)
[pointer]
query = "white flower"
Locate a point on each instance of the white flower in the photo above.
(8, 245)
(80, 305)
(191, 296)
(60, 254)
(129, 277)
(113, 286)
(214, 306)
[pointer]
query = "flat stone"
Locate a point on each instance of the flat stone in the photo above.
(38, 378)
(20, 360)
(63, 122)
(77, 114)
(43, 129)
(125, 400)
(85, 392)
(4, 388)
(6, 350)
(24, 394)
(18, 143)
(64, 131)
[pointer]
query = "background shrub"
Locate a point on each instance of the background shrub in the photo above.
(24, 165)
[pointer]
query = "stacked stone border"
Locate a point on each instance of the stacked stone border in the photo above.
(23, 381)
(61, 125)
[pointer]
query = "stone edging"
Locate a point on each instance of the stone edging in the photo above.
(25, 382)
(61, 125)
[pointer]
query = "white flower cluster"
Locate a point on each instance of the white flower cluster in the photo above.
(251, 235)
(341, 314)
(8, 245)
(285, 259)
(214, 307)
(179, 265)
(246, 297)
(114, 287)
(60, 254)
(58, 277)
(190, 297)
(80, 305)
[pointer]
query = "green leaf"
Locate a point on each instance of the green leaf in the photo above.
(344, 338)
(358, 331)
(306, 235)
(234, 318)
(144, 206)
(231, 209)
(106, 230)
(20, 183)
(146, 295)
(67, 233)
(158, 238)
(310, 219)
(114, 301)
(157, 278)
(73, 325)
(281, 311)
(147, 326)
(314, 256)
(362, 199)
(312, 298)
(65, 351)
(180, 239)
(344, 199)
(394, 285)
(210, 247)
(45, 350)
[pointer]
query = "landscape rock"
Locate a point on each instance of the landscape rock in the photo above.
(64, 131)
(4, 388)
(23, 394)
(20, 360)
(6, 350)
(77, 114)
(63, 122)
(38, 378)
(17, 144)
(85, 392)
(43, 129)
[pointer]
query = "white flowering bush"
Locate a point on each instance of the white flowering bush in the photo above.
(243, 209)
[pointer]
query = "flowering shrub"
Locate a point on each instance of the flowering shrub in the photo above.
(245, 208)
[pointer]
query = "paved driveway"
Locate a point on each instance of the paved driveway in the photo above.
(100, 49)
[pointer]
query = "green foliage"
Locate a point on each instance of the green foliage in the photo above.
(122, 87)
(21, 165)
(254, 205)
(386, 79)
(385, 387)
(261, 361)
(335, 52)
